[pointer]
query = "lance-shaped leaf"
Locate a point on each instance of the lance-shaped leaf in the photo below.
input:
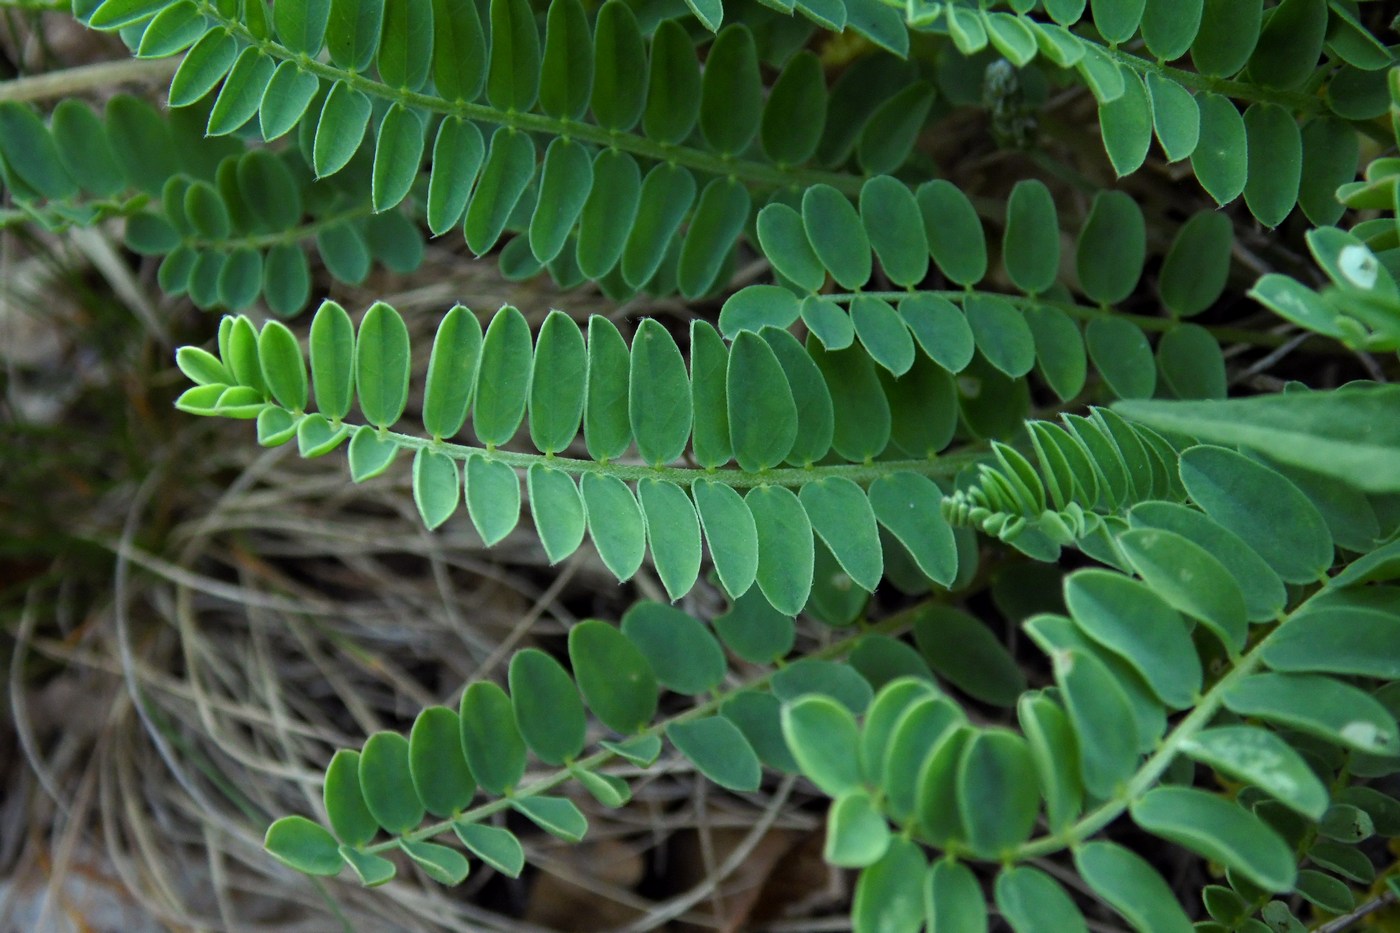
(1321, 706)
(1264, 760)
(1218, 829)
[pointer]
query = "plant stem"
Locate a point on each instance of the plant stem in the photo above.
(759, 173)
(84, 78)
(476, 814)
(945, 466)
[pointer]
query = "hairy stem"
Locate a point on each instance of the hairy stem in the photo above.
(756, 173)
(945, 466)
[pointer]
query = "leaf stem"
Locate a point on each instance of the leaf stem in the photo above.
(945, 466)
(1081, 312)
(759, 173)
(601, 757)
(1156, 764)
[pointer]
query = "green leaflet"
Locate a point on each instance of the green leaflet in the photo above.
(783, 236)
(341, 127)
(923, 408)
(493, 498)
(889, 136)
(285, 100)
(608, 213)
(1117, 20)
(619, 87)
(1191, 363)
(842, 517)
(719, 750)
(1275, 162)
(607, 430)
(830, 325)
(283, 369)
(1264, 509)
(785, 547)
(406, 46)
(439, 770)
(1031, 248)
(883, 334)
(436, 486)
(397, 155)
(1218, 829)
(762, 412)
(382, 365)
(709, 360)
(998, 799)
(557, 384)
(615, 523)
(755, 631)
(1219, 160)
(673, 85)
(557, 508)
(1127, 125)
(1099, 709)
(1052, 743)
(731, 94)
(303, 845)
(491, 741)
(457, 154)
(1112, 248)
(1289, 44)
(443, 864)
(1129, 619)
(1122, 355)
(673, 533)
(1176, 117)
(1165, 559)
(962, 650)
(715, 226)
(658, 394)
(1320, 706)
(344, 799)
(941, 330)
(504, 378)
(565, 181)
(617, 683)
(894, 225)
(1339, 640)
(84, 149)
(1263, 759)
(1001, 333)
(548, 711)
(906, 505)
(861, 411)
(513, 74)
(837, 236)
(568, 62)
(953, 899)
(681, 651)
(452, 372)
(954, 232)
(459, 50)
(731, 533)
(1012, 37)
(510, 163)
(386, 779)
(557, 816)
(1131, 886)
(1033, 902)
(1330, 153)
(203, 67)
(1197, 264)
(1227, 36)
(795, 113)
(888, 896)
(856, 833)
(332, 348)
(1170, 26)
(939, 810)
(822, 735)
(31, 152)
(662, 203)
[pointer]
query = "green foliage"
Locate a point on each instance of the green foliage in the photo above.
(909, 364)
